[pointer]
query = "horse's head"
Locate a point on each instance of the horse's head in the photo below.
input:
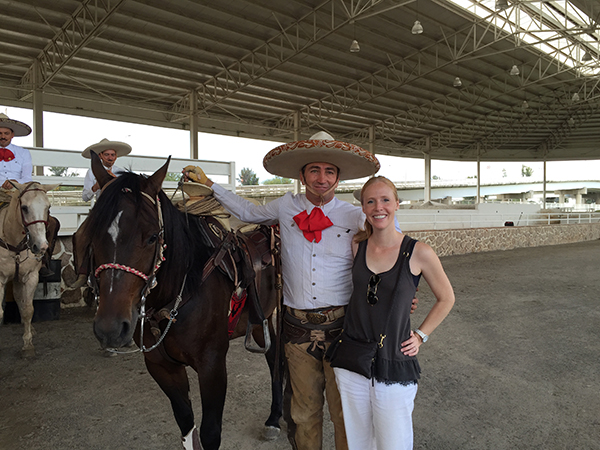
(30, 208)
(125, 234)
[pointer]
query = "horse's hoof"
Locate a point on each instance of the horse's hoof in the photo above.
(108, 353)
(271, 433)
(28, 352)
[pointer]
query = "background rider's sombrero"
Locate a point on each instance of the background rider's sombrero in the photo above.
(19, 128)
(353, 161)
(120, 148)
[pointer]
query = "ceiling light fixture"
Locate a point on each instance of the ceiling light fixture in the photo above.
(586, 57)
(575, 97)
(417, 28)
(354, 47)
(501, 5)
(525, 105)
(515, 70)
(457, 83)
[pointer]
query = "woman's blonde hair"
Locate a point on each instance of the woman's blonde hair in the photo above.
(363, 235)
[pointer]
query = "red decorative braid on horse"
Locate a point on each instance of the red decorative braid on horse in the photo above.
(165, 279)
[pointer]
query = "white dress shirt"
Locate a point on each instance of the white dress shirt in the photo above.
(315, 275)
(18, 169)
(90, 180)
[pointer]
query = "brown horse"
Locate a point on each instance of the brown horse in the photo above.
(160, 281)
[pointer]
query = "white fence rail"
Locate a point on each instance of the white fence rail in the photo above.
(71, 210)
(417, 220)
(224, 172)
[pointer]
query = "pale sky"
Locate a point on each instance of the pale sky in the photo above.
(68, 132)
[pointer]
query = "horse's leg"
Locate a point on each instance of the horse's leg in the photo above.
(212, 377)
(275, 360)
(24, 290)
(173, 380)
(3, 282)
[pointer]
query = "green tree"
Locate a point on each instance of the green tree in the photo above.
(504, 175)
(58, 171)
(247, 177)
(278, 180)
(526, 171)
(173, 176)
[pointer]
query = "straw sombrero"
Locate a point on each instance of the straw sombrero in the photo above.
(19, 128)
(196, 189)
(121, 148)
(353, 161)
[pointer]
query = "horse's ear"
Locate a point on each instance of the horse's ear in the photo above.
(155, 181)
(101, 174)
(18, 186)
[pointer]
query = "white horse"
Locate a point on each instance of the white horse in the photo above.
(23, 224)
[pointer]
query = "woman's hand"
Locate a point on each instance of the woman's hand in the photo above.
(411, 346)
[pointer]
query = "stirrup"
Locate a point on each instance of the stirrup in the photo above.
(256, 348)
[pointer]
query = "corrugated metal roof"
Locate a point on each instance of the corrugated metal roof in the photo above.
(265, 69)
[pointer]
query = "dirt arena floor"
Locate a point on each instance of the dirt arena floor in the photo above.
(516, 365)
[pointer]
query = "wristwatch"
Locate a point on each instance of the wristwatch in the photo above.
(423, 335)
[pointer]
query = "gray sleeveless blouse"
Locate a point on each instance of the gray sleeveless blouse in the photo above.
(366, 322)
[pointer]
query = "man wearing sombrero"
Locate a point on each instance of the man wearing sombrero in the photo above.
(15, 161)
(108, 151)
(316, 234)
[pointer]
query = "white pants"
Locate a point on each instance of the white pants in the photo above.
(376, 417)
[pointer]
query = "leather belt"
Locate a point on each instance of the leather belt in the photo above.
(318, 317)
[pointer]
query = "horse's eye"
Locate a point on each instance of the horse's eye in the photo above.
(25, 209)
(153, 239)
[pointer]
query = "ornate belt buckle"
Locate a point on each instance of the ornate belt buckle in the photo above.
(316, 318)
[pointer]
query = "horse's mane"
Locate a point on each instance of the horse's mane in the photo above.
(183, 247)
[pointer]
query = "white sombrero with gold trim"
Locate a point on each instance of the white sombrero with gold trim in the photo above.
(120, 148)
(353, 161)
(19, 128)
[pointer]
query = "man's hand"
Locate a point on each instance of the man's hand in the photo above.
(195, 173)
(415, 302)
(7, 184)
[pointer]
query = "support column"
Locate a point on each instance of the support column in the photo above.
(372, 142)
(194, 125)
(427, 190)
(38, 115)
(297, 185)
(478, 196)
(544, 187)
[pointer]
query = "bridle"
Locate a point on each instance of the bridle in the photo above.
(26, 224)
(150, 279)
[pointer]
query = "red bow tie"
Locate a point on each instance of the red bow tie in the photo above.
(312, 225)
(6, 155)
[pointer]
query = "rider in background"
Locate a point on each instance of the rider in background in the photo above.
(108, 151)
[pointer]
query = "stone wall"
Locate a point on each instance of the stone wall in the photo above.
(473, 240)
(444, 242)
